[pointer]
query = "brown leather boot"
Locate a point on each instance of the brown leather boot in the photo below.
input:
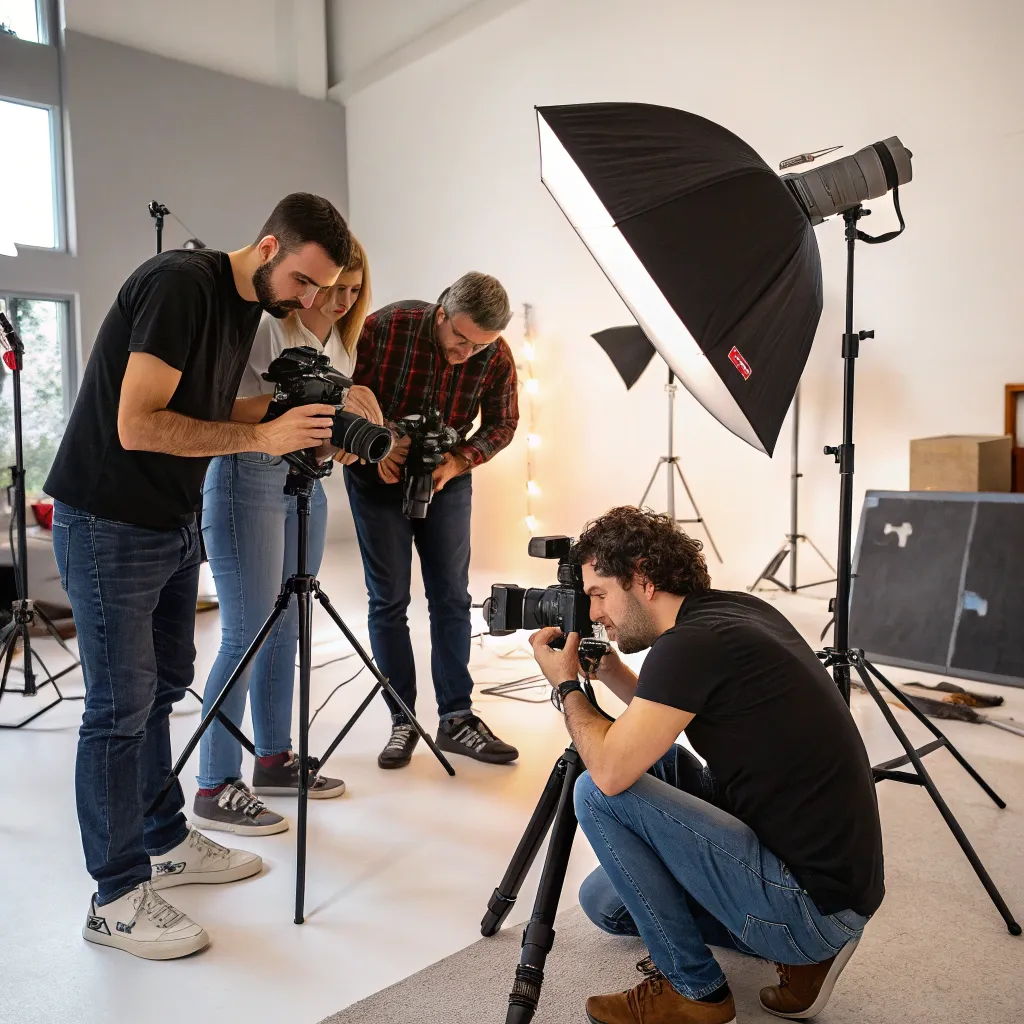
(655, 1001)
(803, 990)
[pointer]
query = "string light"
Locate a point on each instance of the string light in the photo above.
(531, 387)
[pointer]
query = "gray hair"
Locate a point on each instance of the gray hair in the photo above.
(482, 298)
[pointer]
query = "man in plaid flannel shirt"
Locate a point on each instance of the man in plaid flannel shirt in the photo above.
(415, 356)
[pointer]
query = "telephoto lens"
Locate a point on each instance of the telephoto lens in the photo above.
(360, 437)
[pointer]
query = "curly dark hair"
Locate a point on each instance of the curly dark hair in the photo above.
(627, 541)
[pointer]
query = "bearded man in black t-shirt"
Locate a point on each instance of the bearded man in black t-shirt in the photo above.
(157, 401)
(773, 846)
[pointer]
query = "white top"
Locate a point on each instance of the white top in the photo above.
(273, 336)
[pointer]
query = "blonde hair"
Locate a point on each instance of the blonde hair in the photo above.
(350, 326)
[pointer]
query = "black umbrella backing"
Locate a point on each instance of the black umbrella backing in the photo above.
(703, 242)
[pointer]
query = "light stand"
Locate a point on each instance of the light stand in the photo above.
(841, 658)
(303, 586)
(672, 469)
(791, 546)
(158, 211)
(24, 609)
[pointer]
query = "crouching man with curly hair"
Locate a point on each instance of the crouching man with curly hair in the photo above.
(772, 846)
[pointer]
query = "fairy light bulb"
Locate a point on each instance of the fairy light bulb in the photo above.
(533, 440)
(533, 488)
(533, 386)
(531, 523)
(529, 351)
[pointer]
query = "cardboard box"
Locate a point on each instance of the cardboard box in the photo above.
(965, 462)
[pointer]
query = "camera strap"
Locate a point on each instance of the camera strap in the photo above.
(892, 179)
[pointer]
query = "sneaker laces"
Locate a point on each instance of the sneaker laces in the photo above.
(237, 797)
(157, 909)
(472, 732)
(207, 847)
(400, 735)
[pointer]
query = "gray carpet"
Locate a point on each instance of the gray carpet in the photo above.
(936, 952)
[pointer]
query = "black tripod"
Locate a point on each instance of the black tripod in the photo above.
(303, 586)
(842, 657)
(555, 808)
(25, 613)
(791, 547)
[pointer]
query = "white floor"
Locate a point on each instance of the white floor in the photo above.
(400, 869)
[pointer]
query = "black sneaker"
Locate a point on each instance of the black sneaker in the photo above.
(470, 736)
(283, 780)
(398, 752)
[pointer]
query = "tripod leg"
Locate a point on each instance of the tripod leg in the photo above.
(539, 935)
(52, 630)
(382, 682)
(703, 522)
(8, 642)
(503, 898)
(940, 803)
(305, 650)
(935, 731)
(654, 476)
(831, 567)
(214, 712)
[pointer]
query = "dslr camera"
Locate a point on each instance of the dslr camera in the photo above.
(565, 605)
(430, 441)
(303, 376)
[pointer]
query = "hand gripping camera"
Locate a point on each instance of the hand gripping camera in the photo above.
(431, 440)
(565, 605)
(303, 376)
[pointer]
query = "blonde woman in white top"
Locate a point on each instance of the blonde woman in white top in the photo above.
(250, 532)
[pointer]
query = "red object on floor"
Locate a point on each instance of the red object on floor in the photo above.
(43, 511)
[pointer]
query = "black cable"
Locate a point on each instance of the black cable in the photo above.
(344, 682)
(191, 233)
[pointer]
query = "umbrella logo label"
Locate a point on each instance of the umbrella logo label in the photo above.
(737, 360)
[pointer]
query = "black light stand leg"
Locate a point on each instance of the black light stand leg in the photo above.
(382, 684)
(305, 767)
(924, 779)
(931, 727)
(503, 899)
(539, 935)
(8, 644)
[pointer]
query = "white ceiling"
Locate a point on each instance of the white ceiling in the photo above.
(306, 45)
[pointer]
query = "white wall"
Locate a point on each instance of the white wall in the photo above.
(443, 177)
(276, 42)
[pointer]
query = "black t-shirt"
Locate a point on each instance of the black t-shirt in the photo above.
(780, 740)
(182, 307)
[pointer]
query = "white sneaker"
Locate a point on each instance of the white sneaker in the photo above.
(143, 923)
(198, 859)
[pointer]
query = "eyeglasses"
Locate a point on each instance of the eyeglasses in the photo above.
(461, 338)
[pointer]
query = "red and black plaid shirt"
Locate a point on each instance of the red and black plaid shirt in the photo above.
(401, 362)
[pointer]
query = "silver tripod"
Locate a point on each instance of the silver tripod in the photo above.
(672, 469)
(791, 546)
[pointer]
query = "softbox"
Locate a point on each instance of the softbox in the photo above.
(629, 349)
(703, 242)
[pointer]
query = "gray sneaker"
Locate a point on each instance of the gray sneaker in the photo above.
(283, 780)
(235, 809)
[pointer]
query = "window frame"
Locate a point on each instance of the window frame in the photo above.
(66, 336)
(37, 81)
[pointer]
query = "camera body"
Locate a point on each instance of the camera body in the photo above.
(430, 441)
(303, 376)
(565, 605)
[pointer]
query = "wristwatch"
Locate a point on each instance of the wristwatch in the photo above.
(562, 690)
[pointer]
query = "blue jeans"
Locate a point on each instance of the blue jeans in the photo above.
(386, 539)
(250, 528)
(682, 873)
(133, 594)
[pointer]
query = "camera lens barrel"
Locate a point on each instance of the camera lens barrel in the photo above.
(360, 437)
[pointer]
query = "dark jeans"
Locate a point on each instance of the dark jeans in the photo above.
(682, 873)
(386, 538)
(133, 594)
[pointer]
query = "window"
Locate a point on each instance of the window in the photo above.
(28, 193)
(21, 18)
(44, 327)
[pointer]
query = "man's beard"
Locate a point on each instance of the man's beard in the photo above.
(265, 296)
(637, 631)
